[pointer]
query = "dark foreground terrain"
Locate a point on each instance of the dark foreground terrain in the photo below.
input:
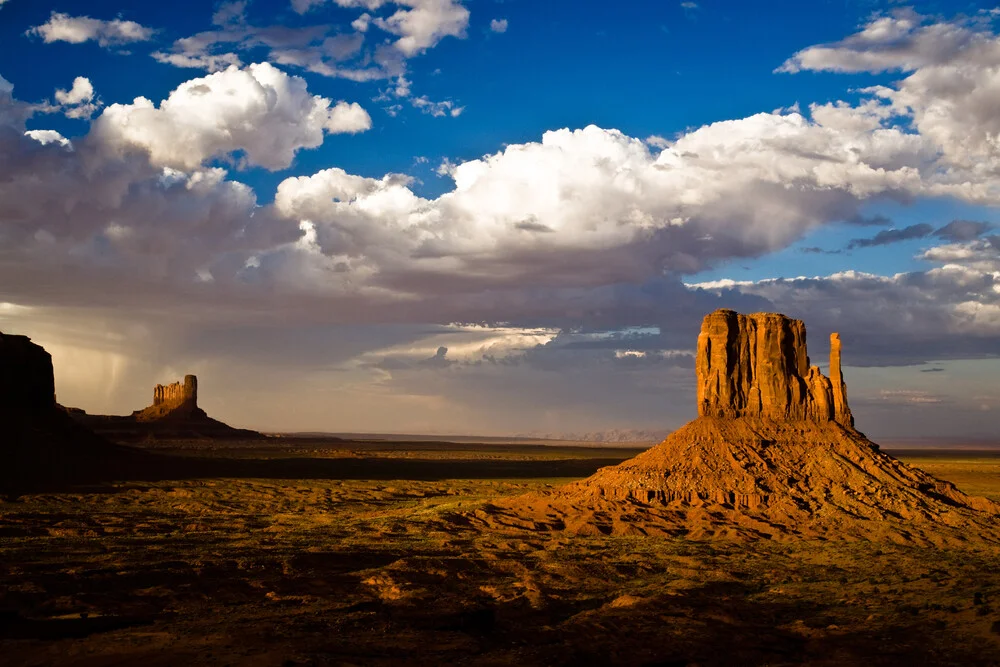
(338, 552)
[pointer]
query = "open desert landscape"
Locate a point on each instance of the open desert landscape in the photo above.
(474, 332)
(378, 562)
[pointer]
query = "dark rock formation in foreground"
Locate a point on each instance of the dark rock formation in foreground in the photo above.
(773, 454)
(26, 379)
(39, 443)
(174, 415)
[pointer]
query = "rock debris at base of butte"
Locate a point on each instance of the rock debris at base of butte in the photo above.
(773, 454)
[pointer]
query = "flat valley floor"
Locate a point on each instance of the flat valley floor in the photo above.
(359, 553)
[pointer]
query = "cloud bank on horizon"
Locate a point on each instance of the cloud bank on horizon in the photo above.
(547, 279)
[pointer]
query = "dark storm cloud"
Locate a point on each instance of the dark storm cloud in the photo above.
(962, 230)
(954, 231)
(869, 221)
(902, 320)
(533, 226)
(889, 236)
(439, 360)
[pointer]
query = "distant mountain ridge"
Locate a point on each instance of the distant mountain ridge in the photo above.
(611, 435)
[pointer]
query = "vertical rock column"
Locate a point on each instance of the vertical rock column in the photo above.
(841, 411)
(720, 374)
(190, 391)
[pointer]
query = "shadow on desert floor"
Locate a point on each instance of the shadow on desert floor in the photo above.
(137, 465)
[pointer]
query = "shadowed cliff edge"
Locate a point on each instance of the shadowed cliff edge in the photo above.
(41, 443)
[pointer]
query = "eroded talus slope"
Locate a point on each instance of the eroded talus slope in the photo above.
(743, 478)
(775, 454)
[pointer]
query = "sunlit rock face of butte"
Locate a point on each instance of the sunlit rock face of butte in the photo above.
(757, 366)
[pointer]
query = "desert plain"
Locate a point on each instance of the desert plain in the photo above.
(312, 551)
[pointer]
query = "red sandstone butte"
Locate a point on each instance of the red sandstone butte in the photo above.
(773, 454)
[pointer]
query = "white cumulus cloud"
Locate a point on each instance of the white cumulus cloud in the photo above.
(259, 110)
(593, 206)
(45, 137)
(951, 91)
(210, 62)
(82, 91)
(78, 101)
(436, 109)
(420, 24)
(79, 29)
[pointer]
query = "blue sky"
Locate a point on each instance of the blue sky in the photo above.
(402, 189)
(646, 68)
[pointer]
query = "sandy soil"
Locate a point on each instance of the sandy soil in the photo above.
(357, 554)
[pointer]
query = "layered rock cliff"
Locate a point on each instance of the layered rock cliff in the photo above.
(758, 366)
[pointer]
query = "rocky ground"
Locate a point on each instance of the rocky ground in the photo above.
(328, 568)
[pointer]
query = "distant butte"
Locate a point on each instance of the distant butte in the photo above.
(173, 415)
(774, 453)
(179, 399)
